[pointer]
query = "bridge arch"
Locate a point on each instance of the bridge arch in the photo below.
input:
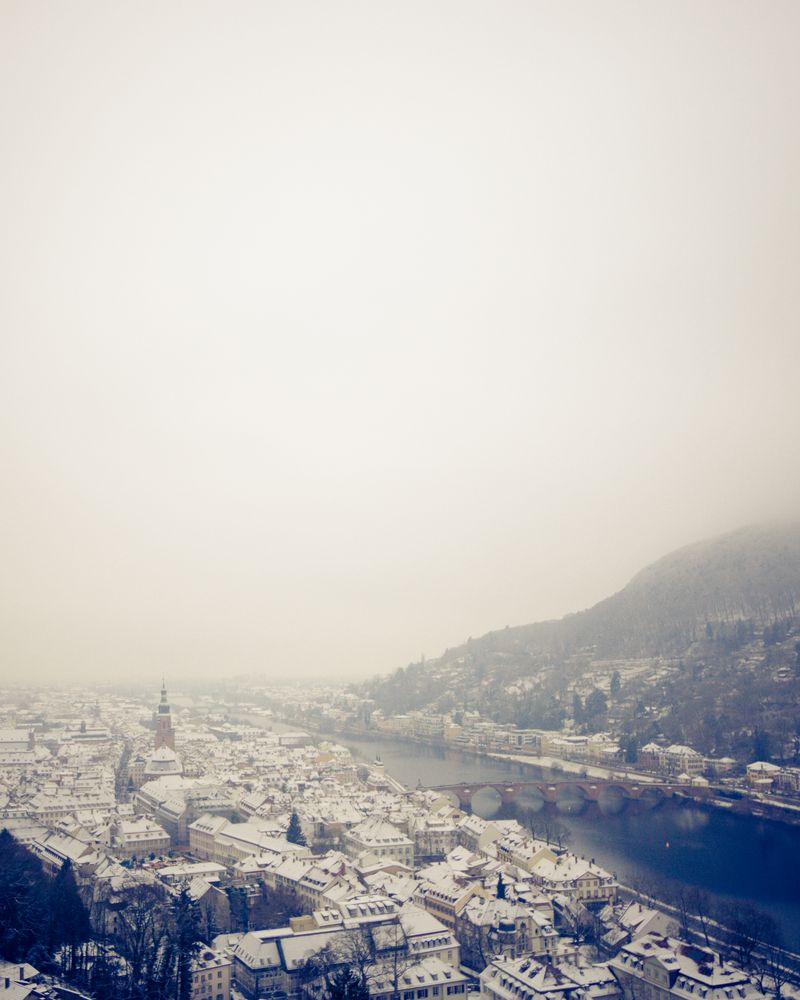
(452, 796)
(531, 798)
(612, 799)
(487, 798)
(567, 795)
(571, 798)
(652, 796)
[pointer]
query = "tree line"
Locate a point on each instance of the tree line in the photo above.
(144, 952)
(42, 920)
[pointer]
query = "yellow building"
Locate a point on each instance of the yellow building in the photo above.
(211, 976)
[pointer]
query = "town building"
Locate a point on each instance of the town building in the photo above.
(487, 928)
(175, 802)
(138, 838)
(528, 979)
(372, 933)
(576, 879)
(216, 838)
(211, 976)
(653, 967)
(377, 836)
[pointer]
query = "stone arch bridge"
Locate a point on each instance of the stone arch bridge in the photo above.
(574, 789)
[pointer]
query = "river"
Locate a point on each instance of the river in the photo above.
(732, 857)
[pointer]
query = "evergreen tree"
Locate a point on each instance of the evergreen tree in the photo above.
(761, 745)
(501, 887)
(346, 984)
(68, 923)
(23, 899)
(103, 982)
(596, 708)
(40, 958)
(295, 833)
(630, 748)
(185, 941)
(238, 910)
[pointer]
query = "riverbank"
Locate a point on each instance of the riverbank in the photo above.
(730, 800)
(735, 800)
(557, 764)
(734, 857)
(577, 768)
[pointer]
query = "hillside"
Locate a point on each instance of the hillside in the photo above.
(709, 623)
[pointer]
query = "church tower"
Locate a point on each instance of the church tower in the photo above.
(165, 734)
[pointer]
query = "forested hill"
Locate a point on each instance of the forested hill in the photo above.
(751, 574)
(711, 606)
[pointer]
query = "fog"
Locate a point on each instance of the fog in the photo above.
(335, 333)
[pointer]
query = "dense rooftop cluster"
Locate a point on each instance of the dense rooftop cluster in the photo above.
(294, 861)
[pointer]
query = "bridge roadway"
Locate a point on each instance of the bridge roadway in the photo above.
(588, 789)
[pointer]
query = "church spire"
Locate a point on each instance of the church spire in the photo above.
(165, 735)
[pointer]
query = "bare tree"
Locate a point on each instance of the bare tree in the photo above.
(700, 905)
(139, 933)
(372, 955)
(679, 896)
(769, 962)
(586, 928)
(528, 818)
(354, 951)
(645, 887)
(275, 907)
(357, 953)
(746, 927)
(556, 832)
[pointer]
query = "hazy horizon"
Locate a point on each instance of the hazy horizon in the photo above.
(334, 334)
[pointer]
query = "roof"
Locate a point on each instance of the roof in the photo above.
(695, 972)
(416, 921)
(207, 958)
(567, 869)
(376, 831)
(283, 947)
(425, 973)
(525, 977)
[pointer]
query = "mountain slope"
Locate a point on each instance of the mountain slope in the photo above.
(685, 628)
(753, 573)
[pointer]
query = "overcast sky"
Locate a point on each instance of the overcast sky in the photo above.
(335, 333)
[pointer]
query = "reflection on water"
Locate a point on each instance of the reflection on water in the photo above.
(570, 802)
(611, 801)
(732, 857)
(691, 820)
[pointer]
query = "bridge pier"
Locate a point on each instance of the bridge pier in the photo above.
(590, 792)
(464, 799)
